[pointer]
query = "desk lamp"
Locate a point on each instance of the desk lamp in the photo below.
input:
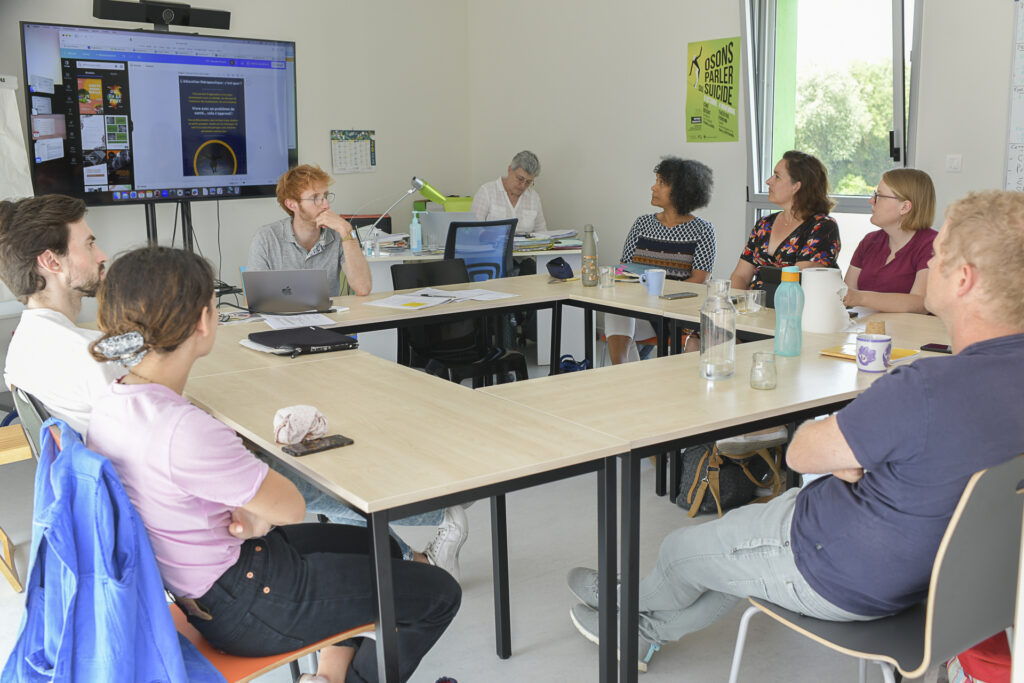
(417, 184)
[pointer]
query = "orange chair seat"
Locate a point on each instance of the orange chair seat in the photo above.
(241, 669)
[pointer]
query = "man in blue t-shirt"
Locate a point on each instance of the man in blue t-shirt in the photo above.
(860, 544)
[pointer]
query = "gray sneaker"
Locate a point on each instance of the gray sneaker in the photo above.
(583, 584)
(585, 620)
(452, 532)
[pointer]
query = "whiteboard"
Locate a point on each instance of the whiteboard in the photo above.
(14, 177)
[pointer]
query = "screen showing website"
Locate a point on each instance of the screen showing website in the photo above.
(120, 116)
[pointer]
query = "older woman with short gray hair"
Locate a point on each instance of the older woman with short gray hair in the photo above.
(513, 195)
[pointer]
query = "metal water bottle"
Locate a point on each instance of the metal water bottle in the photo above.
(588, 273)
(717, 333)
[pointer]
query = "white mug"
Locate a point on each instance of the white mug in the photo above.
(654, 281)
(873, 352)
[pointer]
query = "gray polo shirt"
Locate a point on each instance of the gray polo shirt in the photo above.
(274, 248)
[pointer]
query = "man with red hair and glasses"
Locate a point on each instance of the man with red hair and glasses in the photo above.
(311, 236)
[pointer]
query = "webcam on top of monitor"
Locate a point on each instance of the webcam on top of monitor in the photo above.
(161, 14)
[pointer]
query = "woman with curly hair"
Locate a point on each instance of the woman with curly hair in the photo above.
(673, 239)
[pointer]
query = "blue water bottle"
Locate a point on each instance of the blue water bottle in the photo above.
(789, 309)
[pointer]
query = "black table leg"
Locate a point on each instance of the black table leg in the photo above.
(606, 589)
(662, 337)
(588, 335)
(387, 636)
(659, 474)
(499, 558)
(675, 461)
(629, 590)
(556, 338)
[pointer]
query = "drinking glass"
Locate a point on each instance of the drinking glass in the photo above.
(754, 300)
(762, 370)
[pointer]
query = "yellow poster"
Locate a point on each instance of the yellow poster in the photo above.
(712, 90)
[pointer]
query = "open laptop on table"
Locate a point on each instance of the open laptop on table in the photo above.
(286, 291)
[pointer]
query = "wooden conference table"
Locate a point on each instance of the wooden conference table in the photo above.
(421, 443)
(670, 406)
(424, 435)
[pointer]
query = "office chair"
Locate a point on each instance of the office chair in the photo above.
(33, 414)
(970, 595)
(485, 246)
(455, 350)
(242, 669)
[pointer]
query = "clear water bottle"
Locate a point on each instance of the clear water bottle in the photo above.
(789, 309)
(415, 234)
(717, 333)
(588, 272)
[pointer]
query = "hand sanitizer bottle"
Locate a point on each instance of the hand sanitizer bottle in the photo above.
(415, 234)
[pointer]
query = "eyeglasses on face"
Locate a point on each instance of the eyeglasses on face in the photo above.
(317, 198)
(875, 196)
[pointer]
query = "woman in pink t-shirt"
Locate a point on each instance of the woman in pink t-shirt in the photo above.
(209, 505)
(889, 269)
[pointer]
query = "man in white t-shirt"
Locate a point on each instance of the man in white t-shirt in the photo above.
(513, 196)
(50, 261)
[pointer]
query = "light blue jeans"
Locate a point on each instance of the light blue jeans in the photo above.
(320, 503)
(704, 570)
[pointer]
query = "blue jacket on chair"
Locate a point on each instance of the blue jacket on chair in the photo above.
(95, 608)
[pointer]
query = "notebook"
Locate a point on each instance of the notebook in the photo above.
(286, 291)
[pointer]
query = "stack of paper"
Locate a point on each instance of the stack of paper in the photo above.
(553, 234)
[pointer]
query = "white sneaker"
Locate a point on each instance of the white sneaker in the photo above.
(452, 532)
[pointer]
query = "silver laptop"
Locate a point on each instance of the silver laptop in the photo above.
(286, 291)
(434, 225)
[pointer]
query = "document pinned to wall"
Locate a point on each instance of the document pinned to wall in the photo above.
(1015, 128)
(353, 151)
(14, 176)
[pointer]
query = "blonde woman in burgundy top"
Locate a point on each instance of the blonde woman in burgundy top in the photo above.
(889, 269)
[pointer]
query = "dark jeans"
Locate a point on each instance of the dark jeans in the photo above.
(306, 582)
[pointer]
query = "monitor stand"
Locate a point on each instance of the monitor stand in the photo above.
(186, 224)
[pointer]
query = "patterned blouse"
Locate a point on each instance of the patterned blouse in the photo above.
(816, 239)
(699, 232)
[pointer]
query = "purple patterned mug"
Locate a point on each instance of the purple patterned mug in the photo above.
(873, 352)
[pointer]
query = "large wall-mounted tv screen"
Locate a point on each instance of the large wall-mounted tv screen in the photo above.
(124, 116)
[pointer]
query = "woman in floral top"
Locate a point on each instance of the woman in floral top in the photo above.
(802, 234)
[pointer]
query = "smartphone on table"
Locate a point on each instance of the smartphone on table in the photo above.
(937, 348)
(317, 445)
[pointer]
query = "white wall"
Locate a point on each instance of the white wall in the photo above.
(396, 67)
(595, 88)
(965, 60)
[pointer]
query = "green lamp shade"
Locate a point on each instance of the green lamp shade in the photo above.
(433, 195)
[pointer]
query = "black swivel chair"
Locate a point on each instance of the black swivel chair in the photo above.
(455, 350)
(485, 246)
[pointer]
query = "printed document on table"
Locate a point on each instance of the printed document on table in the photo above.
(284, 322)
(465, 294)
(407, 301)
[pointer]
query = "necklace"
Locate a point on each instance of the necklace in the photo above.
(141, 376)
(789, 217)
